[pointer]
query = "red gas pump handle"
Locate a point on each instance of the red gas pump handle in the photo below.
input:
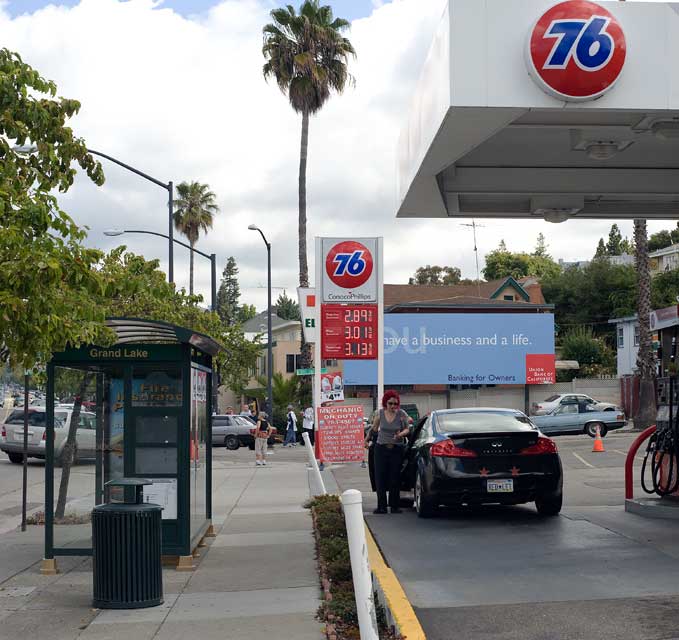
(629, 461)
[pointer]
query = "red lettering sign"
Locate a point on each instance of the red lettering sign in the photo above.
(349, 332)
(340, 433)
(540, 368)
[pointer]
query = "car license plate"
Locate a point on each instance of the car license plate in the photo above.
(500, 486)
(19, 436)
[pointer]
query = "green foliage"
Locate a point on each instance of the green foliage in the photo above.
(600, 249)
(307, 54)
(135, 287)
(613, 247)
(663, 239)
(591, 352)
(665, 289)
(47, 284)
(287, 308)
(229, 293)
(246, 312)
(593, 295)
(285, 391)
(502, 263)
(436, 275)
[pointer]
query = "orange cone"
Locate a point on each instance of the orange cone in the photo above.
(598, 442)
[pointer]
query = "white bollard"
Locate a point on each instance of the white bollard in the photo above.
(352, 502)
(313, 462)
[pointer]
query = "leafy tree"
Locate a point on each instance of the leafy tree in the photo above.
(593, 295)
(645, 415)
(600, 249)
(659, 240)
(47, 284)
(501, 263)
(436, 275)
(194, 212)
(541, 247)
(246, 312)
(591, 352)
(307, 55)
(613, 246)
(229, 293)
(626, 247)
(287, 308)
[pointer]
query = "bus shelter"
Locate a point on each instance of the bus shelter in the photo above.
(140, 408)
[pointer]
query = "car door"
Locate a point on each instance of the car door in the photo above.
(563, 419)
(219, 426)
(86, 435)
(415, 440)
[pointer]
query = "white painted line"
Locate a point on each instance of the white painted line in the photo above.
(622, 453)
(591, 466)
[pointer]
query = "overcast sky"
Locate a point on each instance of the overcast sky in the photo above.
(175, 88)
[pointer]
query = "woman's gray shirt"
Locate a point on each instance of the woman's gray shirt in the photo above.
(385, 434)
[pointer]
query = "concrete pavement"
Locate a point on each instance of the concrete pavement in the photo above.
(256, 580)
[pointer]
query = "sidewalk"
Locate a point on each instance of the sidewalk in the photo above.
(256, 580)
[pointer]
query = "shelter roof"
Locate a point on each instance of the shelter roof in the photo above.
(136, 330)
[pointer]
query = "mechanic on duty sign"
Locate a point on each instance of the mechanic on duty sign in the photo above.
(576, 51)
(349, 269)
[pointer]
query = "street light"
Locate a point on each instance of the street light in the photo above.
(32, 148)
(212, 257)
(269, 364)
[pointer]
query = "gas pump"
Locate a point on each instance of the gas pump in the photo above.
(663, 446)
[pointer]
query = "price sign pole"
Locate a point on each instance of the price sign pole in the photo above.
(316, 387)
(380, 321)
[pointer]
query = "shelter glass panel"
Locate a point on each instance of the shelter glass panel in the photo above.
(198, 439)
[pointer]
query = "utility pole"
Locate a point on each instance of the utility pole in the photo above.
(473, 225)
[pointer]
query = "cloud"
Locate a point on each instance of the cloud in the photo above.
(184, 99)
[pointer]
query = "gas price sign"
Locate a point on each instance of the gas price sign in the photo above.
(349, 332)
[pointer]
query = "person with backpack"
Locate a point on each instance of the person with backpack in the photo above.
(262, 433)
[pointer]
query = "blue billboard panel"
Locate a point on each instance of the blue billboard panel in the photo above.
(439, 348)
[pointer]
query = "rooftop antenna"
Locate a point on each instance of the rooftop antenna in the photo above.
(473, 225)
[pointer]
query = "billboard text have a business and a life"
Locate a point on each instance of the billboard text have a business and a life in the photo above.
(462, 349)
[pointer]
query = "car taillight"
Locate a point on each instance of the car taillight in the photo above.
(543, 445)
(447, 449)
(4, 431)
(44, 434)
(620, 416)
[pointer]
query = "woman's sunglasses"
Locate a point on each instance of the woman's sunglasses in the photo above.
(395, 404)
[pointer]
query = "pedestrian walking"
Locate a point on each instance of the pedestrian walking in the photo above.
(262, 433)
(391, 425)
(308, 423)
(291, 432)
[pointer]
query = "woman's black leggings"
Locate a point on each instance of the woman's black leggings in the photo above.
(388, 475)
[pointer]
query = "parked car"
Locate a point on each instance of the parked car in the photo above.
(481, 456)
(579, 418)
(233, 431)
(12, 434)
(544, 407)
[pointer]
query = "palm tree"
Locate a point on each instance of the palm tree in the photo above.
(307, 55)
(645, 415)
(194, 212)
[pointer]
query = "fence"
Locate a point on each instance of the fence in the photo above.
(512, 397)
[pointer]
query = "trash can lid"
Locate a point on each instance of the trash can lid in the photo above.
(128, 482)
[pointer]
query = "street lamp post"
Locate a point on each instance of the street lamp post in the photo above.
(269, 364)
(211, 257)
(32, 148)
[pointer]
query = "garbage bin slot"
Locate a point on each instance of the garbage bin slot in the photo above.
(137, 483)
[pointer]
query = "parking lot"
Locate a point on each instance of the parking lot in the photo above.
(505, 573)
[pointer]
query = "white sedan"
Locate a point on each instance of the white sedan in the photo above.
(544, 407)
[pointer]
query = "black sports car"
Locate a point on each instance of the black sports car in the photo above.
(481, 456)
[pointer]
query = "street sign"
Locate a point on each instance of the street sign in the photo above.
(308, 372)
(576, 51)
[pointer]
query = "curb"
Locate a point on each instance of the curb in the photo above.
(392, 597)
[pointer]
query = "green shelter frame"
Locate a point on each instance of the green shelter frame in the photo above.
(153, 408)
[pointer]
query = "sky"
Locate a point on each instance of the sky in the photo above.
(175, 89)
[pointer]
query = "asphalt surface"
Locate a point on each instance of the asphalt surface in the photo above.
(504, 573)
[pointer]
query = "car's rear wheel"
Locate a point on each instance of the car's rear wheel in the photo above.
(425, 506)
(549, 505)
(231, 442)
(590, 429)
(16, 458)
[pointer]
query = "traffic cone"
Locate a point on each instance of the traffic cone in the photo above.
(598, 442)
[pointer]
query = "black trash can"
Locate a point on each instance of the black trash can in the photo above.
(126, 544)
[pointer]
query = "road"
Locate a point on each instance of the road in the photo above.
(498, 573)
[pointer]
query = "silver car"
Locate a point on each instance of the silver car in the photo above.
(12, 434)
(549, 404)
(233, 431)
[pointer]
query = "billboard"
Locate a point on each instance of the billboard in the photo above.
(463, 348)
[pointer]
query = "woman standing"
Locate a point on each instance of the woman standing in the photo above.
(391, 425)
(262, 433)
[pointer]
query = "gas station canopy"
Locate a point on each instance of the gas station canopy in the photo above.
(527, 109)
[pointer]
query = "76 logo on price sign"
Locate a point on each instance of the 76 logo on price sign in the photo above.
(576, 50)
(349, 264)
